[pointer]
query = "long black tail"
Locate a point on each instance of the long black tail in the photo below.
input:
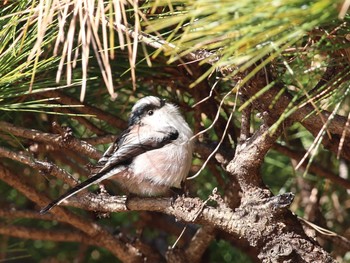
(92, 180)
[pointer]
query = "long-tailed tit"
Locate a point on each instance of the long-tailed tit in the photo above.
(152, 155)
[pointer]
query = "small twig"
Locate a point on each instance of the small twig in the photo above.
(216, 148)
(327, 234)
(343, 136)
(208, 97)
(179, 237)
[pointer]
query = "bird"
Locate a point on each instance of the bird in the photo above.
(150, 157)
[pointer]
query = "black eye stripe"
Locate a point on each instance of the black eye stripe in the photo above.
(143, 109)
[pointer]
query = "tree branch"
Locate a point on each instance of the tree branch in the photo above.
(52, 235)
(15, 214)
(39, 165)
(242, 223)
(68, 142)
(125, 251)
(199, 243)
(106, 139)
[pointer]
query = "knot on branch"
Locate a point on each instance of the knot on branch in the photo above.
(266, 205)
(188, 209)
(258, 217)
(277, 250)
(218, 199)
(285, 248)
(65, 132)
(44, 167)
(281, 201)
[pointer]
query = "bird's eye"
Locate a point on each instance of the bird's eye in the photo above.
(150, 112)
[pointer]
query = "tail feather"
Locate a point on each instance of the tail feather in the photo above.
(92, 180)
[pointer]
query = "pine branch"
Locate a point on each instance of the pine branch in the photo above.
(313, 123)
(315, 168)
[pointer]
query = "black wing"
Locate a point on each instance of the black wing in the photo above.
(133, 142)
(138, 140)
